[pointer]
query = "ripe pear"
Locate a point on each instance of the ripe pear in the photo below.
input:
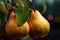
(13, 30)
(39, 26)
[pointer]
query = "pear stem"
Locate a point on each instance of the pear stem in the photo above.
(11, 6)
(32, 5)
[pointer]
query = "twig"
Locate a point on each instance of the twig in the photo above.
(32, 5)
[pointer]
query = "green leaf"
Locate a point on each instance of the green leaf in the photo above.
(44, 6)
(27, 38)
(2, 18)
(22, 13)
(1, 32)
(5, 2)
(17, 1)
(3, 7)
(0, 21)
(3, 13)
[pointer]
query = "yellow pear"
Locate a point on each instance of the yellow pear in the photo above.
(39, 26)
(13, 30)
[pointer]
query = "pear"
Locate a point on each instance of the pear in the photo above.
(13, 30)
(39, 26)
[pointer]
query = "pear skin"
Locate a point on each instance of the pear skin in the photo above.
(39, 26)
(13, 30)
